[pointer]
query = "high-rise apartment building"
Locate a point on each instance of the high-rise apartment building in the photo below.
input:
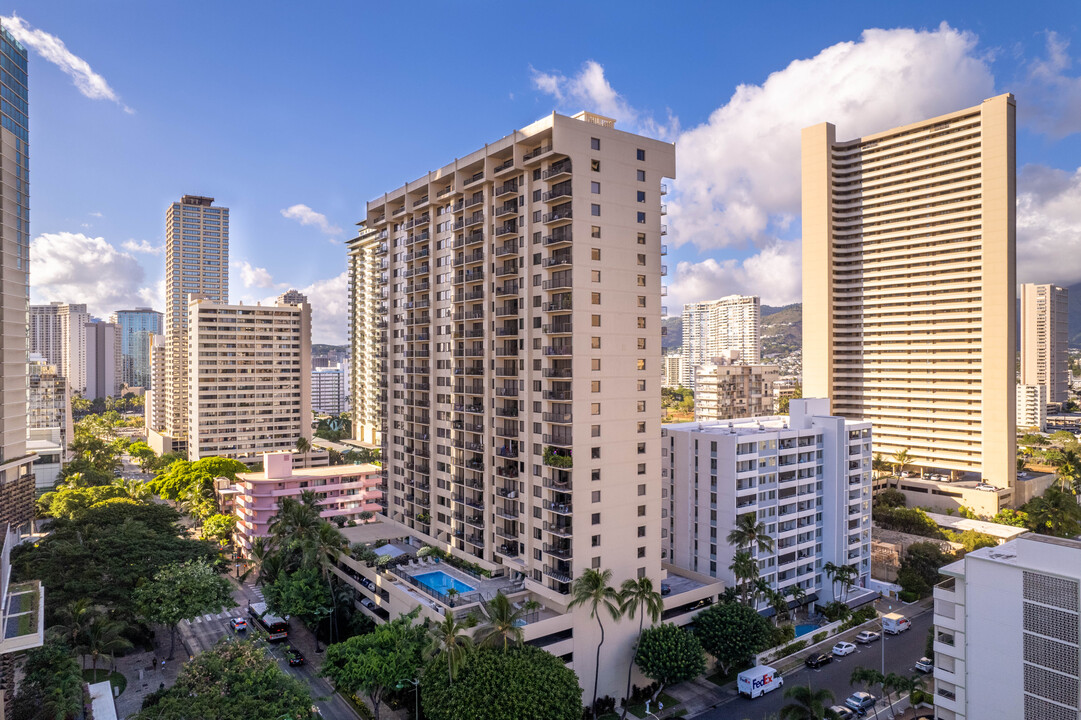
(16, 474)
(1007, 624)
(520, 371)
(196, 266)
(136, 326)
(368, 265)
(728, 324)
(58, 334)
(330, 392)
(103, 359)
(908, 286)
(154, 401)
(1045, 339)
(725, 390)
(248, 388)
(673, 369)
(806, 476)
(1031, 407)
(48, 421)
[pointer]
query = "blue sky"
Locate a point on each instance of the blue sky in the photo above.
(268, 106)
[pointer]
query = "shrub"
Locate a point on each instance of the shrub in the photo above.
(819, 637)
(792, 648)
(907, 596)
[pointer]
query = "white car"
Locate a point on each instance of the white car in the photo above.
(985, 486)
(867, 636)
(843, 648)
(925, 665)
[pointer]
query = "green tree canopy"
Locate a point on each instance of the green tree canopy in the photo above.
(301, 594)
(918, 571)
(70, 502)
(1056, 513)
(181, 592)
(232, 681)
(52, 685)
(890, 498)
(219, 527)
(732, 633)
(523, 683)
(668, 654)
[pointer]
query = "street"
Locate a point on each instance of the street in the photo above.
(902, 651)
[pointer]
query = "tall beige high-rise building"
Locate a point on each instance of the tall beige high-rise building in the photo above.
(716, 326)
(196, 266)
(368, 266)
(58, 334)
(154, 403)
(248, 388)
(908, 286)
(521, 366)
(1045, 338)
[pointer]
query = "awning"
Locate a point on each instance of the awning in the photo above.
(792, 604)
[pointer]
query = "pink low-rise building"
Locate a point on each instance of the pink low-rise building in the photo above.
(343, 491)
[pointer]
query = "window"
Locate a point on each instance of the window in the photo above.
(641, 363)
(596, 518)
(641, 386)
(595, 188)
(641, 511)
(594, 143)
(641, 448)
(595, 231)
(641, 531)
(641, 405)
(641, 343)
(596, 563)
(595, 298)
(641, 258)
(641, 301)
(595, 165)
(596, 475)
(641, 238)
(595, 343)
(641, 323)
(596, 496)
(596, 541)
(595, 364)
(641, 218)
(641, 196)
(595, 409)
(641, 552)
(595, 320)
(595, 253)
(595, 275)
(595, 210)
(641, 489)
(595, 386)
(641, 427)
(594, 430)
(641, 154)
(641, 176)
(641, 468)
(595, 453)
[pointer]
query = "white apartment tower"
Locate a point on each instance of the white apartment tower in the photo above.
(58, 334)
(908, 286)
(518, 290)
(329, 390)
(673, 369)
(154, 403)
(713, 327)
(1045, 339)
(196, 266)
(248, 390)
(1007, 623)
(1031, 407)
(807, 476)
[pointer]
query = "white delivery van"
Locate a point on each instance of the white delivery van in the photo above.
(758, 681)
(895, 623)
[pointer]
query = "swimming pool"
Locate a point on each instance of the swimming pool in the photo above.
(441, 582)
(805, 628)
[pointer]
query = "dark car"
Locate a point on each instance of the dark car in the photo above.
(817, 660)
(295, 656)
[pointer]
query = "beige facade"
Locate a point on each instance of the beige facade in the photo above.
(522, 369)
(908, 285)
(1031, 407)
(1045, 339)
(104, 359)
(730, 324)
(368, 265)
(57, 333)
(154, 402)
(724, 390)
(673, 370)
(196, 266)
(249, 390)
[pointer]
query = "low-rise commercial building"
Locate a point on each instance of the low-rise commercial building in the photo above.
(1007, 624)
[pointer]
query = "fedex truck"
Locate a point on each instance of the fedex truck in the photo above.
(758, 681)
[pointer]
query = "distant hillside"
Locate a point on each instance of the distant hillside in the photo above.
(321, 349)
(782, 330)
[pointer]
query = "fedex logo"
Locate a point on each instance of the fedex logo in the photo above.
(761, 682)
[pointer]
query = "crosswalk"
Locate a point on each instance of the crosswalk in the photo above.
(252, 591)
(210, 618)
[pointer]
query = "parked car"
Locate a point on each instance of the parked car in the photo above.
(295, 656)
(842, 712)
(861, 702)
(867, 637)
(238, 624)
(367, 603)
(843, 648)
(925, 665)
(985, 486)
(817, 660)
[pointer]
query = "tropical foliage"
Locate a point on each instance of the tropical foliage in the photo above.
(592, 589)
(182, 592)
(668, 654)
(732, 633)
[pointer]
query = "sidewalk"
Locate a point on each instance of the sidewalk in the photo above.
(149, 663)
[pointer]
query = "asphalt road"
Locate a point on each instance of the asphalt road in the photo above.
(902, 651)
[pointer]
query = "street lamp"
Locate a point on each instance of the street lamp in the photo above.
(416, 695)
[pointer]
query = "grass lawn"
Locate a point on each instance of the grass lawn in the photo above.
(639, 711)
(116, 679)
(720, 679)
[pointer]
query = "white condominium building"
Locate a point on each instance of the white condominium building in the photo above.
(728, 324)
(249, 388)
(57, 333)
(673, 370)
(724, 390)
(1045, 339)
(908, 286)
(1031, 407)
(330, 390)
(806, 476)
(154, 402)
(1006, 632)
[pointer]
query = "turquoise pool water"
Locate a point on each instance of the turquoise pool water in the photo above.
(441, 582)
(805, 628)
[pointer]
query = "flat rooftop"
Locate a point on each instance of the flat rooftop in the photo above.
(960, 524)
(739, 426)
(1038, 552)
(326, 471)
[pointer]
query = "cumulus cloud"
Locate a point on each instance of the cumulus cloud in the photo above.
(773, 274)
(306, 216)
(254, 277)
(142, 247)
(329, 299)
(1049, 98)
(739, 173)
(53, 49)
(72, 267)
(1048, 225)
(590, 90)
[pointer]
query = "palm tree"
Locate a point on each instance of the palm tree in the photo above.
(103, 638)
(1020, 463)
(303, 447)
(65, 699)
(831, 572)
(901, 459)
(531, 607)
(449, 640)
(504, 623)
(868, 678)
(892, 682)
(322, 550)
(745, 568)
(808, 704)
(592, 590)
(750, 533)
(846, 575)
(879, 465)
(75, 618)
(779, 603)
(635, 595)
(798, 595)
(1069, 471)
(1054, 513)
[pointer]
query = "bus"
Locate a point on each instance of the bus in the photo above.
(276, 628)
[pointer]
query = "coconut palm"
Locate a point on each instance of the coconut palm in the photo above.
(75, 617)
(879, 464)
(450, 641)
(901, 460)
(322, 550)
(1054, 513)
(745, 568)
(808, 704)
(798, 595)
(749, 533)
(592, 589)
(303, 447)
(504, 623)
(1069, 471)
(635, 595)
(103, 638)
(868, 678)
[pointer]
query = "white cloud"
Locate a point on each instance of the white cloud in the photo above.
(254, 277)
(1049, 99)
(96, 214)
(306, 216)
(329, 299)
(142, 247)
(739, 173)
(1048, 225)
(72, 267)
(590, 90)
(52, 48)
(773, 274)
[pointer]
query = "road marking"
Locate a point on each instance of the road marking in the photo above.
(208, 618)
